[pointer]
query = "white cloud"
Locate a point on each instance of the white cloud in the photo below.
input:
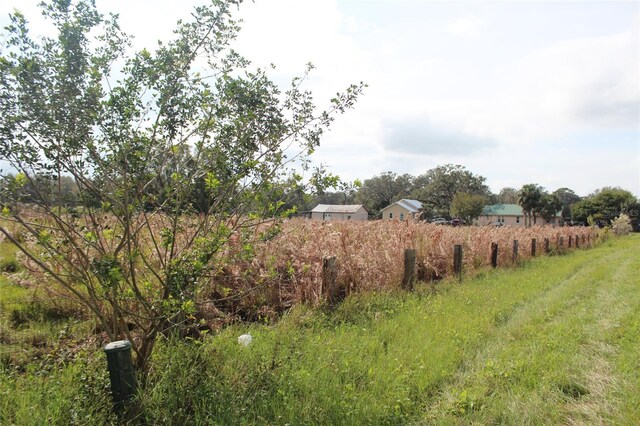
(581, 82)
(466, 26)
(560, 88)
(421, 136)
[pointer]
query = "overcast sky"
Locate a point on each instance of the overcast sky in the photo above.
(518, 92)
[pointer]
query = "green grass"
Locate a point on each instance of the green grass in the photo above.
(44, 377)
(555, 341)
(557, 361)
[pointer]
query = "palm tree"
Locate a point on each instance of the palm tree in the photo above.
(530, 198)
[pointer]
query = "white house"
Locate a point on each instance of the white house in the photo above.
(338, 212)
(402, 209)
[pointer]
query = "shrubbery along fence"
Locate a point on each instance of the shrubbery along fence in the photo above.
(316, 262)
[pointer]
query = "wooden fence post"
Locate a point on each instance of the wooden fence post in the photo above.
(570, 241)
(457, 260)
(494, 255)
(561, 242)
(577, 241)
(547, 247)
(409, 269)
(515, 251)
(329, 276)
(534, 242)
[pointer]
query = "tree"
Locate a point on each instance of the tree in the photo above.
(348, 190)
(346, 194)
(62, 192)
(568, 198)
(508, 196)
(189, 116)
(467, 207)
(380, 191)
(606, 204)
(549, 206)
(439, 185)
(530, 198)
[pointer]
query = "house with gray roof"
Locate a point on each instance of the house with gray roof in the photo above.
(339, 212)
(402, 210)
(509, 214)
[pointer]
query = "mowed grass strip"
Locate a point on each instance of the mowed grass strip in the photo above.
(569, 357)
(554, 341)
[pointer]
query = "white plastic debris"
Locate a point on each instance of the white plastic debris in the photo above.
(245, 340)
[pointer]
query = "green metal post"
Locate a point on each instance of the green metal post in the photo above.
(121, 372)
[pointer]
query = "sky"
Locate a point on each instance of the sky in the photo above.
(518, 92)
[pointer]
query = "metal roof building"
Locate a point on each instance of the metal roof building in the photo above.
(339, 212)
(510, 214)
(402, 209)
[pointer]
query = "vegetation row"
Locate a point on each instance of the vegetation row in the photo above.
(554, 341)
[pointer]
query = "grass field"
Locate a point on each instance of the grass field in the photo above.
(554, 341)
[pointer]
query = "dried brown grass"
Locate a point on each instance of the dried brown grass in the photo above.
(260, 273)
(288, 268)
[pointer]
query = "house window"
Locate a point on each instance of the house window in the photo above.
(348, 217)
(401, 216)
(390, 215)
(327, 216)
(517, 219)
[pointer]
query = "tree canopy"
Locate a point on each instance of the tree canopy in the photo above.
(467, 207)
(507, 195)
(606, 204)
(172, 156)
(379, 191)
(440, 185)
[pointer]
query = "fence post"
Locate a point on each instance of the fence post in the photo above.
(534, 242)
(570, 241)
(577, 241)
(515, 251)
(547, 247)
(457, 260)
(494, 255)
(121, 372)
(409, 269)
(329, 275)
(561, 242)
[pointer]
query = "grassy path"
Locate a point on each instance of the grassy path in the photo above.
(568, 356)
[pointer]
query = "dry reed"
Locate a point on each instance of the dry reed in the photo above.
(288, 268)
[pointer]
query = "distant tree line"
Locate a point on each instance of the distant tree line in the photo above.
(448, 191)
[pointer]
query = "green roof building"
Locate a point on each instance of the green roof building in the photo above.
(509, 214)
